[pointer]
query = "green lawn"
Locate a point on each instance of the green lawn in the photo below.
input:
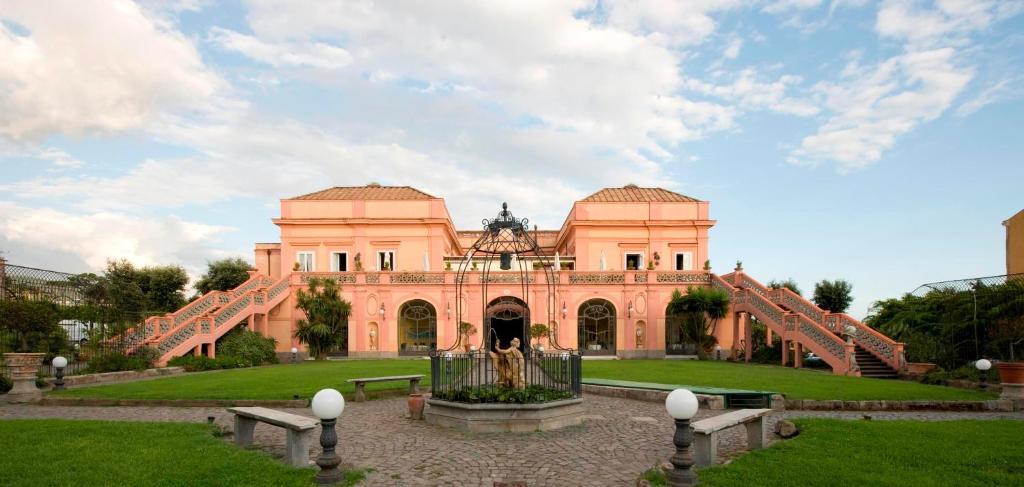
(61, 452)
(287, 380)
(832, 452)
(793, 383)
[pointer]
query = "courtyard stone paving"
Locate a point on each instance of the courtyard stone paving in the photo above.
(619, 439)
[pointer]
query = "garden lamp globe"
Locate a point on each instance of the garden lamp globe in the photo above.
(328, 404)
(681, 404)
(850, 329)
(60, 362)
(983, 364)
(295, 350)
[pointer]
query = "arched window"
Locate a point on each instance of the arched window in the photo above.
(417, 328)
(596, 320)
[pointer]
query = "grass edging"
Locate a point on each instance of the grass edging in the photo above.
(187, 403)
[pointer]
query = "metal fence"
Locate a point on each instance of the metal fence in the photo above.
(88, 327)
(465, 376)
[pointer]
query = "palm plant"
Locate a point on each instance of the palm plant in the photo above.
(703, 307)
(326, 323)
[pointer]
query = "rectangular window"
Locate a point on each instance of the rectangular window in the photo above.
(385, 260)
(339, 261)
(634, 261)
(684, 261)
(306, 260)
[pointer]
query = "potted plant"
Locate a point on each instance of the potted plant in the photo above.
(448, 265)
(1008, 317)
(466, 330)
(33, 325)
(538, 331)
(538, 265)
(650, 265)
(386, 266)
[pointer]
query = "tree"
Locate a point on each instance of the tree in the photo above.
(325, 326)
(33, 324)
(164, 287)
(834, 296)
(703, 307)
(788, 283)
(538, 331)
(223, 275)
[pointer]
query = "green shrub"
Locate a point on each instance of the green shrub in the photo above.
(113, 362)
(5, 384)
(248, 346)
(147, 354)
(936, 376)
(529, 395)
(192, 363)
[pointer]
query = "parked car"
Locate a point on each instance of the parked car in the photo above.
(811, 359)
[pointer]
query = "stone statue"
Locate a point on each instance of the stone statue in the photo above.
(373, 339)
(509, 364)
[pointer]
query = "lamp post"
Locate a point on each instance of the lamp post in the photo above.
(59, 363)
(983, 365)
(295, 354)
(327, 405)
(718, 352)
(682, 405)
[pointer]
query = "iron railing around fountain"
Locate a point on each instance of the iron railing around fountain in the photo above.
(474, 377)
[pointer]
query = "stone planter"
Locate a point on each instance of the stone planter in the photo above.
(1011, 374)
(416, 403)
(917, 369)
(23, 368)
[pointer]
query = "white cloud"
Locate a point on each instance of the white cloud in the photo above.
(947, 22)
(98, 236)
(872, 105)
(997, 91)
(732, 49)
(614, 84)
(779, 6)
(90, 66)
(313, 54)
(750, 92)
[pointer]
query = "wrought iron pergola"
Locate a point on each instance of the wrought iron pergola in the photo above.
(507, 241)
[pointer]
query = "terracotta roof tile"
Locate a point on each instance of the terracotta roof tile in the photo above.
(633, 194)
(370, 192)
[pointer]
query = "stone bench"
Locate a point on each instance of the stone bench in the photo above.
(705, 432)
(414, 384)
(300, 431)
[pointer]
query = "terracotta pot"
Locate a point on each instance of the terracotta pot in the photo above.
(23, 368)
(1011, 372)
(416, 403)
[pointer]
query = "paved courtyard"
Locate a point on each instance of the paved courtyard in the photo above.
(619, 439)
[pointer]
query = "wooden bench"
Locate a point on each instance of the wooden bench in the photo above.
(414, 384)
(705, 432)
(300, 431)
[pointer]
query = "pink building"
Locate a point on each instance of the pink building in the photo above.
(619, 255)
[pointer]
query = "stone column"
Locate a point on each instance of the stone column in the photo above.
(798, 355)
(747, 336)
(23, 368)
(785, 352)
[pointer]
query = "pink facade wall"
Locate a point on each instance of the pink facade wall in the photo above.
(414, 229)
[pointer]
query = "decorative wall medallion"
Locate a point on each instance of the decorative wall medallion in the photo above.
(371, 305)
(640, 304)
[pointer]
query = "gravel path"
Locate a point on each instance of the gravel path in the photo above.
(619, 439)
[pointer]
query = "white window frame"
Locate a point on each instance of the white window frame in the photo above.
(380, 264)
(312, 260)
(625, 260)
(687, 261)
(334, 261)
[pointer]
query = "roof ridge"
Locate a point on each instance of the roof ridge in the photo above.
(634, 193)
(332, 193)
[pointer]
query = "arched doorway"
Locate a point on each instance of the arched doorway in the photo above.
(417, 328)
(678, 328)
(508, 317)
(596, 324)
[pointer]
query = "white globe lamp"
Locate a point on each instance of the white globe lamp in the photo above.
(682, 405)
(983, 365)
(59, 363)
(295, 354)
(327, 405)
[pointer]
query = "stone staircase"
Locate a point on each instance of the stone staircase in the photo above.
(795, 319)
(872, 366)
(207, 318)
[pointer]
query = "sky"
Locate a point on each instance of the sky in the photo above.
(877, 142)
